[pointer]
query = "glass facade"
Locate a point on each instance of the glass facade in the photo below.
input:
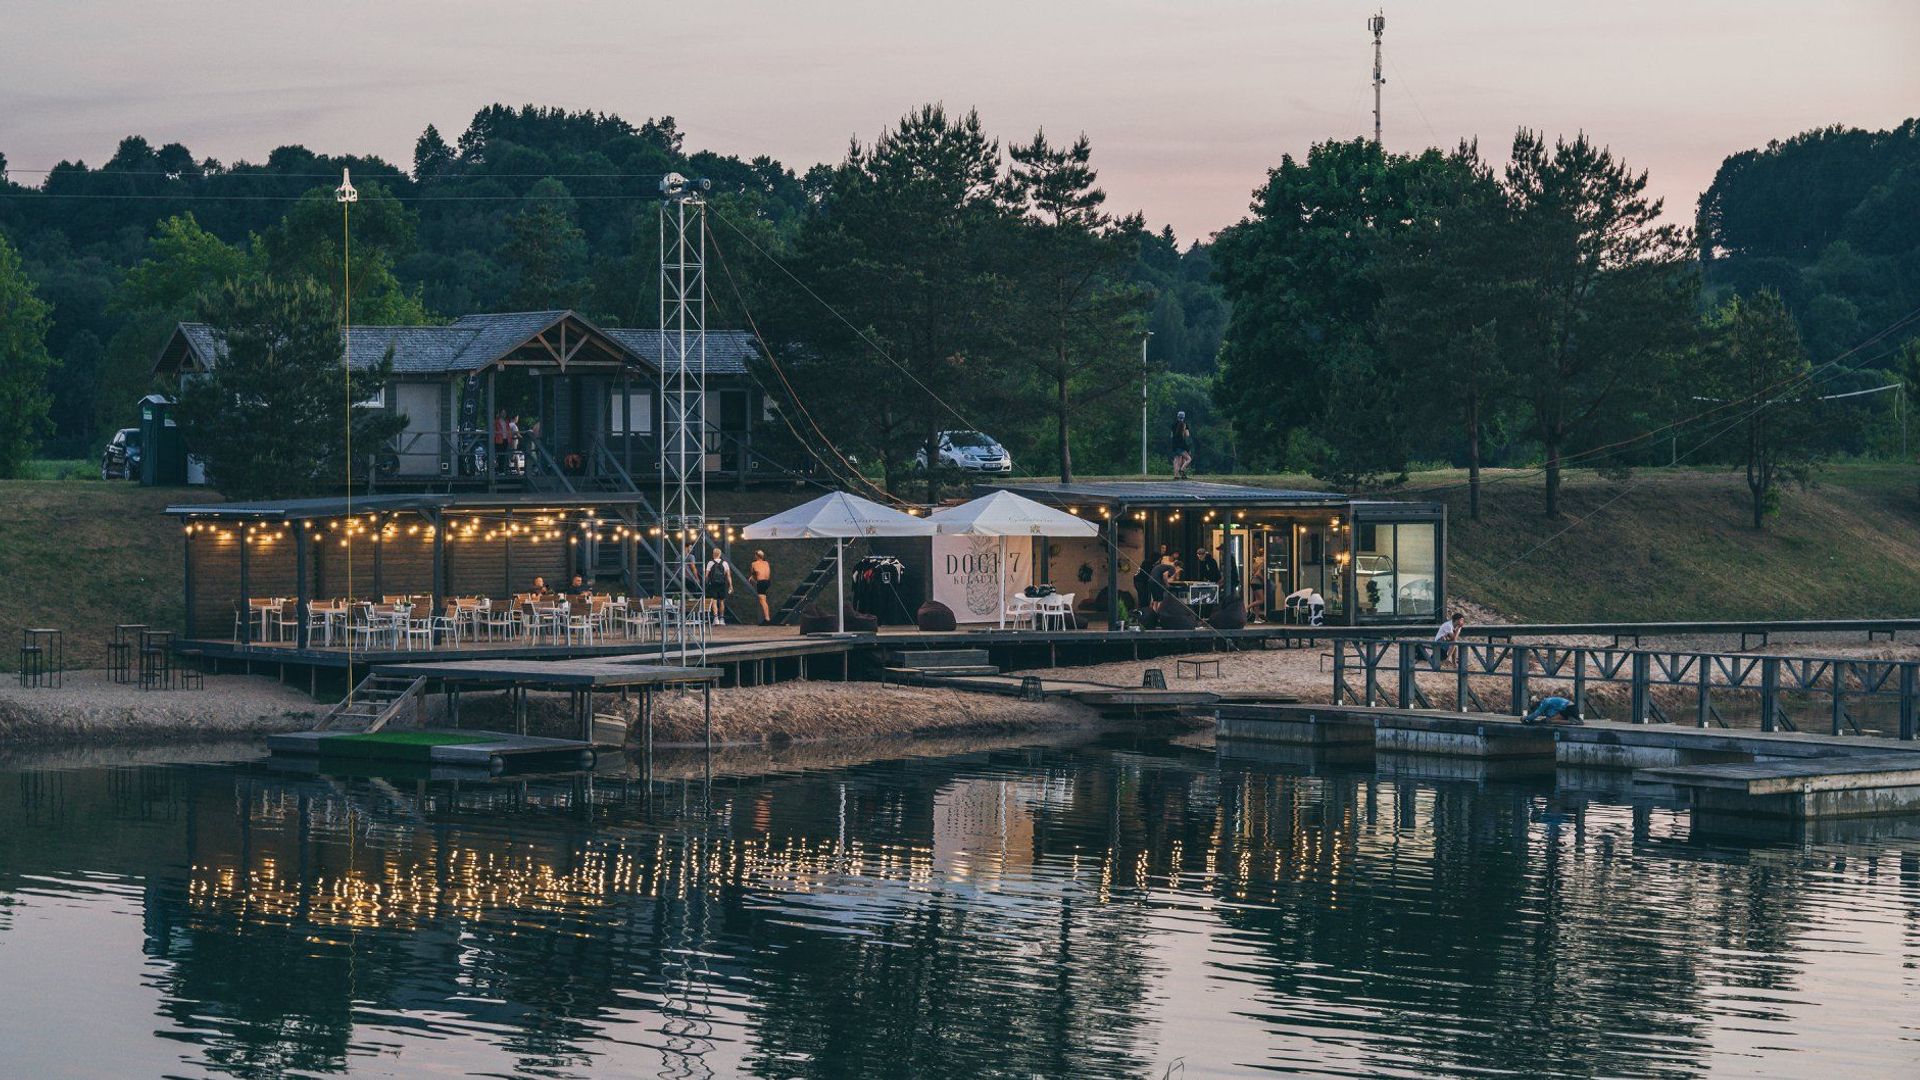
(1396, 568)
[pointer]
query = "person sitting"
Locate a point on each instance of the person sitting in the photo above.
(578, 589)
(1446, 635)
(540, 586)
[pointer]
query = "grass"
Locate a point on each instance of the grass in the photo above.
(58, 470)
(83, 557)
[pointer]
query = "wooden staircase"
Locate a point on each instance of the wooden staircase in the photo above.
(373, 704)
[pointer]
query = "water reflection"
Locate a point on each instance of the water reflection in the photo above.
(1097, 910)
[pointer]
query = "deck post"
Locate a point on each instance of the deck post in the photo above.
(1839, 669)
(1769, 691)
(1580, 679)
(506, 529)
(1907, 678)
(246, 597)
(706, 708)
(186, 575)
(1406, 674)
(1703, 707)
(1462, 696)
(1517, 657)
(303, 596)
(486, 422)
(1370, 675)
(437, 522)
(1638, 710)
(1113, 572)
(379, 589)
(1339, 668)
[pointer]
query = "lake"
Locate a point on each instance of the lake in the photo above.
(1105, 908)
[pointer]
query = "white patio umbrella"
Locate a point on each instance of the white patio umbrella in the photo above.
(1005, 514)
(839, 517)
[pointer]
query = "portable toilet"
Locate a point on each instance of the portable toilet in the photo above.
(163, 456)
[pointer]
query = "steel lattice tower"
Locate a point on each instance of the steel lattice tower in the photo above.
(683, 382)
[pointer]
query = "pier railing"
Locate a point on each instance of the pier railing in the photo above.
(1791, 693)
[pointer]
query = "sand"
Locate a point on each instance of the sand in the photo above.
(92, 708)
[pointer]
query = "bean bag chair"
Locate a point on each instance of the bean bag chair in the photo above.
(935, 616)
(1175, 615)
(1231, 615)
(1148, 620)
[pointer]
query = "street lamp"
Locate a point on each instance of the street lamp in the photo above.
(1143, 402)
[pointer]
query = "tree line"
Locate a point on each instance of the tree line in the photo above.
(1373, 313)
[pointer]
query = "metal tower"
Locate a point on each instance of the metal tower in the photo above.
(1377, 24)
(683, 436)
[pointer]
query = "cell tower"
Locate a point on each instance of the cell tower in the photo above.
(683, 384)
(1377, 24)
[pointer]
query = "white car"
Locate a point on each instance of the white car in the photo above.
(969, 451)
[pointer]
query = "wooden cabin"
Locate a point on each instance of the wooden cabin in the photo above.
(592, 391)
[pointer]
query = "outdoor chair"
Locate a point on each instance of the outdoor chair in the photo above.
(1231, 615)
(498, 619)
(285, 621)
(1057, 608)
(319, 625)
(1175, 615)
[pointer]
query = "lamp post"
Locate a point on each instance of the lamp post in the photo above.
(1143, 401)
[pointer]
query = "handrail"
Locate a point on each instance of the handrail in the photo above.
(1774, 677)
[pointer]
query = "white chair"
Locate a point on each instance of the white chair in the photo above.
(1023, 609)
(1056, 608)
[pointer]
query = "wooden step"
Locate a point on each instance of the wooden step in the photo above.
(928, 659)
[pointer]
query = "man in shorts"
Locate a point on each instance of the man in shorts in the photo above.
(760, 573)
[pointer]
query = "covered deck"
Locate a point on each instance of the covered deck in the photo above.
(1370, 561)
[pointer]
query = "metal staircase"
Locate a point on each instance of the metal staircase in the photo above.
(373, 704)
(809, 588)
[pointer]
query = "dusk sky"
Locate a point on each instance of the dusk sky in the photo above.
(1186, 103)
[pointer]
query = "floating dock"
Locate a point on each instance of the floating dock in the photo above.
(490, 750)
(1794, 775)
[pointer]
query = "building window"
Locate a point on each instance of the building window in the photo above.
(642, 411)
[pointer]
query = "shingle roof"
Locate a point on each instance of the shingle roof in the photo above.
(471, 342)
(728, 351)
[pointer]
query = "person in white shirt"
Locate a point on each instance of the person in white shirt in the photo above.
(1448, 633)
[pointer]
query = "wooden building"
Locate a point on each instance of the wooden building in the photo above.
(422, 545)
(592, 392)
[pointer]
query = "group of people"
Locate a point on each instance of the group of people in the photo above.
(712, 582)
(511, 435)
(1153, 583)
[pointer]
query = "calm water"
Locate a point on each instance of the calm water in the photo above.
(1099, 910)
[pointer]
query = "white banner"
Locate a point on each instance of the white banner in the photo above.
(966, 574)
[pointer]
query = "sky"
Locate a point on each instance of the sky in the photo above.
(1187, 103)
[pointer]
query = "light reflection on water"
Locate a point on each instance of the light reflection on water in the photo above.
(1099, 910)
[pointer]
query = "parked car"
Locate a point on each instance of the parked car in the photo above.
(969, 451)
(121, 459)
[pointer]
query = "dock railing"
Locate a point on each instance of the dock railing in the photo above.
(1388, 672)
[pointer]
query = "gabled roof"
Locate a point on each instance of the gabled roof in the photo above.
(472, 343)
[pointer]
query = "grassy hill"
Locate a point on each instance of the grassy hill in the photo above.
(1663, 544)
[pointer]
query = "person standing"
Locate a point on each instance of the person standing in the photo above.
(1182, 446)
(1205, 566)
(760, 573)
(717, 586)
(502, 440)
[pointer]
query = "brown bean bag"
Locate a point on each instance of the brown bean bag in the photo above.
(1231, 615)
(822, 622)
(935, 616)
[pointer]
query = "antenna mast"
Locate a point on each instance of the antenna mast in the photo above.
(1377, 24)
(683, 414)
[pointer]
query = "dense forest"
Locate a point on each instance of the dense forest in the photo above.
(1372, 313)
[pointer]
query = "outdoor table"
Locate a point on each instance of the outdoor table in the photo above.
(126, 637)
(329, 615)
(156, 660)
(267, 610)
(42, 656)
(1196, 665)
